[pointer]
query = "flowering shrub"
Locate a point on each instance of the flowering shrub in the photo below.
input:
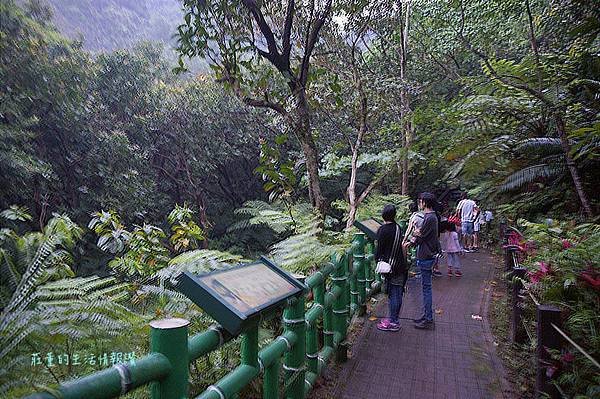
(563, 262)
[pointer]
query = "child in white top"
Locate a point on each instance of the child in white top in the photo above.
(451, 247)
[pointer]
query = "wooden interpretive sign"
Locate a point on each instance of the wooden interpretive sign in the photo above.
(238, 296)
(369, 227)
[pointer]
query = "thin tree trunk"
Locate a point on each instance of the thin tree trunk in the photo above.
(309, 148)
(566, 147)
(405, 101)
(362, 111)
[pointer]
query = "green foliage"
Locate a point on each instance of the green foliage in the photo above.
(143, 251)
(186, 234)
(374, 203)
(334, 165)
(278, 175)
(198, 261)
(16, 213)
(294, 219)
(31, 259)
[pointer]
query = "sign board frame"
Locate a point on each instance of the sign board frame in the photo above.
(232, 317)
(362, 226)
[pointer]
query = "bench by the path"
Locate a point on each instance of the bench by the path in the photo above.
(456, 360)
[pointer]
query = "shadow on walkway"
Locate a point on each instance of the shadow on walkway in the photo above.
(456, 360)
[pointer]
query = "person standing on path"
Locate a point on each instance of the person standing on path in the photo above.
(389, 249)
(428, 248)
(467, 210)
(451, 247)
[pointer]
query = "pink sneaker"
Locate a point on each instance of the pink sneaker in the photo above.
(387, 325)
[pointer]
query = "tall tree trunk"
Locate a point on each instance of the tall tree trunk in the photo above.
(362, 110)
(566, 147)
(351, 190)
(405, 99)
(309, 148)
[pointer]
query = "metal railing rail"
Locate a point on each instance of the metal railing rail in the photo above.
(548, 322)
(340, 290)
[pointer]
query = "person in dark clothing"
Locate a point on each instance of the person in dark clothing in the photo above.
(428, 247)
(389, 249)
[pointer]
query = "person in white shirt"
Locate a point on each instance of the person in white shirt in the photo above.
(467, 210)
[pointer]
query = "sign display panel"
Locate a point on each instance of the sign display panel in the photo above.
(248, 288)
(369, 227)
(238, 296)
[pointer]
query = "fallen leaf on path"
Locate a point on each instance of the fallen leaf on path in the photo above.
(486, 289)
(493, 283)
(439, 311)
(476, 317)
(372, 318)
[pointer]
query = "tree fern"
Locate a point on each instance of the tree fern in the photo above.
(540, 145)
(278, 216)
(197, 261)
(531, 173)
(304, 251)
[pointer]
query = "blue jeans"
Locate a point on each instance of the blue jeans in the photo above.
(467, 228)
(453, 260)
(395, 292)
(425, 265)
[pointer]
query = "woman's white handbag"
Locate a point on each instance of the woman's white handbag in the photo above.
(384, 267)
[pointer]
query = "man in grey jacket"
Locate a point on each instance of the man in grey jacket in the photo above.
(428, 247)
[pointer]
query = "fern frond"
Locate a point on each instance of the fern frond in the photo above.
(304, 251)
(546, 145)
(197, 261)
(530, 174)
(277, 216)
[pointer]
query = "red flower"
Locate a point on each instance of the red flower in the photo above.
(567, 357)
(538, 275)
(544, 267)
(592, 278)
(566, 244)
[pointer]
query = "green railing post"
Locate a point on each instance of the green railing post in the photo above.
(312, 339)
(369, 264)
(374, 265)
(249, 355)
(347, 271)
(352, 272)
(327, 314)
(293, 320)
(271, 380)
(358, 253)
(340, 306)
(170, 338)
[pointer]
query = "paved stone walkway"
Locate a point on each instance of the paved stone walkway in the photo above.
(456, 360)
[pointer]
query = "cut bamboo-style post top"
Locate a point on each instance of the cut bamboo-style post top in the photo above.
(167, 324)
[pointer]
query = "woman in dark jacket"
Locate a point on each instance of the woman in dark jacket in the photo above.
(389, 249)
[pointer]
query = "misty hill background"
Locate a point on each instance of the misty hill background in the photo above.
(107, 25)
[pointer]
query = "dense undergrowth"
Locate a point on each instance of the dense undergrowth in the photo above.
(563, 269)
(56, 326)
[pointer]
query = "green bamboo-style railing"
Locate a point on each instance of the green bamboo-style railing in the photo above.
(340, 290)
